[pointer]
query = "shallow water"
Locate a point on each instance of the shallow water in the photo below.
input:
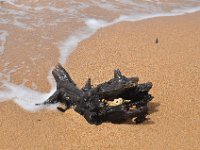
(31, 30)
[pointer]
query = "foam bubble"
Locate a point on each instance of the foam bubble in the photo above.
(20, 24)
(54, 9)
(3, 37)
(95, 23)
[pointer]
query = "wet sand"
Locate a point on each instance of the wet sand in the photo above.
(173, 65)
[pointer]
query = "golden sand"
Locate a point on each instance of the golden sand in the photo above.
(173, 65)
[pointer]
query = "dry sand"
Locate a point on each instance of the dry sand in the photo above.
(173, 65)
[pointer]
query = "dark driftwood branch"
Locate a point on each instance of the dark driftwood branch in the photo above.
(94, 102)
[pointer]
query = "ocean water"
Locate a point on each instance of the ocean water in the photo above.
(77, 20)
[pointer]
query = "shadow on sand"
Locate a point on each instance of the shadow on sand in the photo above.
(152, 108)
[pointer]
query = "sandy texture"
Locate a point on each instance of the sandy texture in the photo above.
(173, 65)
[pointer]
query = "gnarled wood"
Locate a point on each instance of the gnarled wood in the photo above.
(93, 102)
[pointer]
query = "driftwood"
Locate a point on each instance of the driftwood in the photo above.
(112, 101)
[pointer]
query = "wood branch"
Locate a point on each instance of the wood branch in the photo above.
(93, 102)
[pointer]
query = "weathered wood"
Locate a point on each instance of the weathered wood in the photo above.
(93, 102)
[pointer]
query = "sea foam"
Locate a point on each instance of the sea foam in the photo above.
(66, 47)
(26, 97)
(3, 37)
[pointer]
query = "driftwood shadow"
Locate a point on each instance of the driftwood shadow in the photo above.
(152, 108)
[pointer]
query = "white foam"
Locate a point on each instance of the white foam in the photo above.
(106, 5)
(3, 38)
(23, 96)
(70, 44)
(54, 9)
(19, 24)
(4, 21)
(72, 41)
(95, 23)
(185, 10)
(11, 2)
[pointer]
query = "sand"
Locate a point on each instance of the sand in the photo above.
(173, 65)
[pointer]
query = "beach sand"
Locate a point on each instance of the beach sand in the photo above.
(173, 65)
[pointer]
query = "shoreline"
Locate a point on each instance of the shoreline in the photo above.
(113, 23)
(172, 66)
